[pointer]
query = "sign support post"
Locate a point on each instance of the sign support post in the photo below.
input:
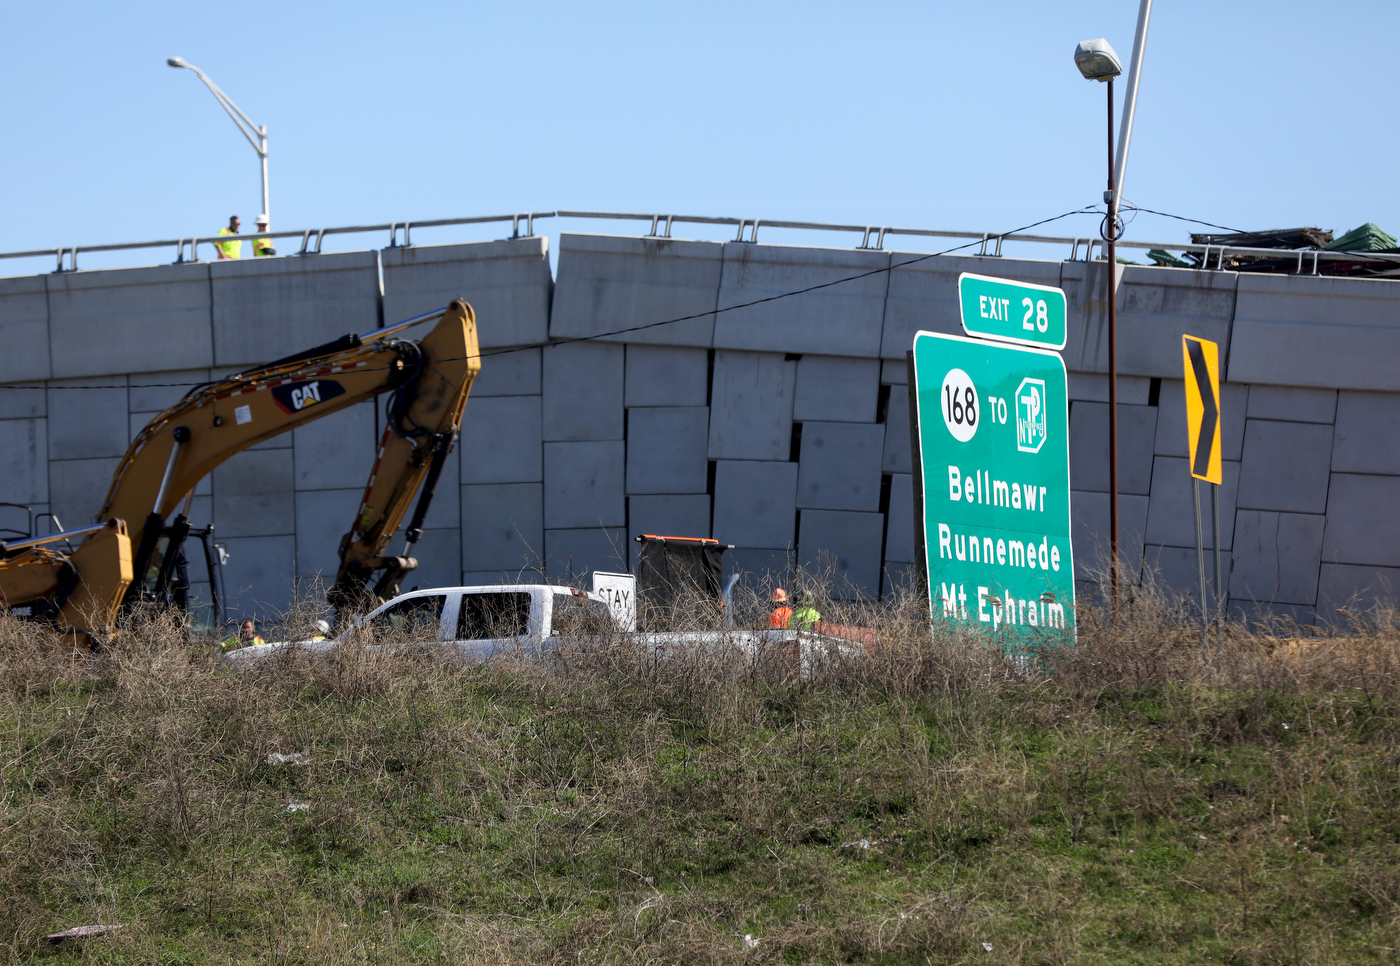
(1201, 359)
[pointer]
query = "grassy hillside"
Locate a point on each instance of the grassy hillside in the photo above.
(1137, 802)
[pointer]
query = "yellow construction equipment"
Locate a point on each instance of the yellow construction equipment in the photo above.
(81, 592)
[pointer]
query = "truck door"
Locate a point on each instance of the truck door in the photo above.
(493, 622)
(409, 620)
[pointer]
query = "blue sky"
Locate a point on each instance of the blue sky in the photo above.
(937, 115)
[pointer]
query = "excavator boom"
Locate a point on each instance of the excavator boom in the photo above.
(429, 380)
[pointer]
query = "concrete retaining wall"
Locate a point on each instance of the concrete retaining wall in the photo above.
(782, 427)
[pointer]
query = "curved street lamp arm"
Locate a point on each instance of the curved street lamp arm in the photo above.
(251, 131)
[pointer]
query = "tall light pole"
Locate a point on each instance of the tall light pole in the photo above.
(257, 136)
(1096, 60)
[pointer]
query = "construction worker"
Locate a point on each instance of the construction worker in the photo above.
(806, 614)
(230, 249)
(247, 637)
(781, 611)
(323, 631)
(262, 246)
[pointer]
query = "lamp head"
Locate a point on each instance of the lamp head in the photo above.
(176, 62)
(1097, 60)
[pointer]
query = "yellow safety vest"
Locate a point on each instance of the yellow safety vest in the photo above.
(236, 642)
(263, 246)
(231, 249)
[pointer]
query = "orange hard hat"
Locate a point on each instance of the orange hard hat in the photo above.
(780, 596)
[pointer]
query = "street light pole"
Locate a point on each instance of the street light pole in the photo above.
(1110, 237)
(256, 134)
(1096, 60)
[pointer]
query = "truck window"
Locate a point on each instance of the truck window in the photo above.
(575, 615)
(494, 615)
(416, 617)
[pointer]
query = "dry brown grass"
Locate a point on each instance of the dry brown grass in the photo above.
(1132, 797)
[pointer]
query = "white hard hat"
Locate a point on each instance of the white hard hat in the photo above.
(260, 220)
(323, 626)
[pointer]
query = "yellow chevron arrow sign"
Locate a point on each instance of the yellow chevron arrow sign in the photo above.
(1202, 361)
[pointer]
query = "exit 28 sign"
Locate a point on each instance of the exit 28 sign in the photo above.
(1010, 311)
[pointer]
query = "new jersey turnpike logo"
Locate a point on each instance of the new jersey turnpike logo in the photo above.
(1030, 415)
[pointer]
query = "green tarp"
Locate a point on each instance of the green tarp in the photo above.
(1370, 237)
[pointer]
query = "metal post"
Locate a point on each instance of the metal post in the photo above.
(1201, 564)
(1219, 576)
(1112, 198)
(1125, 137)
(262, 151)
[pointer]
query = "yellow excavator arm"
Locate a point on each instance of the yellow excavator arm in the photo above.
(151, 489)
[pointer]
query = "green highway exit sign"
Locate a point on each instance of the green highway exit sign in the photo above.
(992, 428)
(1011, 311)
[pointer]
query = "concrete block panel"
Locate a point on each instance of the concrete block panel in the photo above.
(153, 392)
(667, 376)
(23, 401)
(895, 372)
(843, 320)
(24, 328)
(669, 515)
(842, 547)
(755, 504)
(896, 458)
(759, 572)
(1280, 619)
(90, 421)
(1293, 404)
(1174, 570)
(131, 320)
(1276, 556)
(1093, 386)
(584, 485)
(492, 578)
(254, 495)
(323, 517)
(1090, 533)
(1285, 466)
(899, 528)
(1368, 423)
(923, 293)
(267, 308)
(77, 487)
(666, 449)
(335, 451)
(502, 527)
(24, 461)
(1088, 447)
(836, 390)
(1363, 518)
(1303, 330)
(508, 372)
(572, 555)
(1356, 590)
(840, 468)
(583, 392)
(439, 556)
(507, 283)
(1171, 519)
(751, 406)
(1155, 307)
(607, 283)
(1171, 419)
(258, 577)
(501, 440)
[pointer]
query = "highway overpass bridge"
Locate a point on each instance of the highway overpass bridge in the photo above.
(781, 427)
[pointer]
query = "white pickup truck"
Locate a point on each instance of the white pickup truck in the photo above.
(477, 623)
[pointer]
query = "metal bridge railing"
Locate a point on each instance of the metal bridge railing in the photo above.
(990, 243)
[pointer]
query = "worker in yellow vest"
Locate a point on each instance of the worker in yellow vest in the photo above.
(262, 246)
(247, 637)
(230, 249)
